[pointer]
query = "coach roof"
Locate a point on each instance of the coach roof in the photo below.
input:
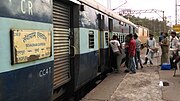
(103, 9)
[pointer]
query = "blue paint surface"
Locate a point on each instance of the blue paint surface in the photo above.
(33, 83)
(6, 25)
(85, 68)
(34, 10)
(84, 40)
(104, 59)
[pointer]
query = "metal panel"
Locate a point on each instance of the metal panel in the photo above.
(61, 21)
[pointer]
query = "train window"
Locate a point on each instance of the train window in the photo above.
(82, 8)
(106, 38)
(129, 29)
(91, 39)
(143, 32)
(101, 21)
(123, 38)
(110, 24)
(134, 30)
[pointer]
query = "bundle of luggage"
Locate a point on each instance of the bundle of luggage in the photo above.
(155, 49)
(151, 52)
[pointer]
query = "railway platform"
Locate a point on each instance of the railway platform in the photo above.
(148, 84)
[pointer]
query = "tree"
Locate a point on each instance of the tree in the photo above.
(154, 25)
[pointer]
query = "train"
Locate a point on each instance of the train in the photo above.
(143, 34)
(50, 49)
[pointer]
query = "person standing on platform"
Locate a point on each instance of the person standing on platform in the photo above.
(115, 45)
(127, 39)
(151, 44)
(161, 37)
(138, 47)
(173, 49)
(165, 49)
(132, 52)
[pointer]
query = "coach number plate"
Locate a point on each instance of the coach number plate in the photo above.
(29, 45)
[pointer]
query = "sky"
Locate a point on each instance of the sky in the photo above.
(166, 5)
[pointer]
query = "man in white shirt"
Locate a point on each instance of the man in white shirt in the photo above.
(151, 43)
(173, 49)
(115, 45)
(174, 41)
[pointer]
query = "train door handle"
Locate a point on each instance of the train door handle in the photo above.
(74, 49)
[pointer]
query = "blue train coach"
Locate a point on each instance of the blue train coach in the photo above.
(50, 49)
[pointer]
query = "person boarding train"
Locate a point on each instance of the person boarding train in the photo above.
(116, 48)
(138, 49)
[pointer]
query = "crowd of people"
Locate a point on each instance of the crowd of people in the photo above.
(170, 49)
(130, 53)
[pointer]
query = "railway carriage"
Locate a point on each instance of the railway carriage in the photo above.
(54, 48)
(143, 34)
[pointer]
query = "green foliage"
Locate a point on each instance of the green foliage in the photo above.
(155, 26)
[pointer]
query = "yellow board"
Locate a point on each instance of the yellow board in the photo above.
(176, 28)
(29, 45)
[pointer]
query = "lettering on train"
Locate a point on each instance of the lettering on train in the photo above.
(21, 52)
(36, 50)
(27, 7)
(33, 35)
(44, 72)
(29, 36)
(35, 44)
(22, 58)
(41, 35)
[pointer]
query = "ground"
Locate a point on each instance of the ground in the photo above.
(142, 86)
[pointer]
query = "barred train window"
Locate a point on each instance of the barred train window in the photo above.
(143, 32)
(106, 38)
(121, 40)
(91, 39)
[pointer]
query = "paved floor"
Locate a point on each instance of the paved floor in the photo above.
(172, 91)
(106, 88)
(142, 86)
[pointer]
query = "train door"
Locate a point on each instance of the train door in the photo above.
(100, 41)
(103, 43)
(99, 51)
(61, 28)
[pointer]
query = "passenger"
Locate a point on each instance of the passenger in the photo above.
(161, 37)
(126, 59)
(173, 47)
(165, 49)
(138, 47)
(132, 52)
(115, 45)
(151, 44)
